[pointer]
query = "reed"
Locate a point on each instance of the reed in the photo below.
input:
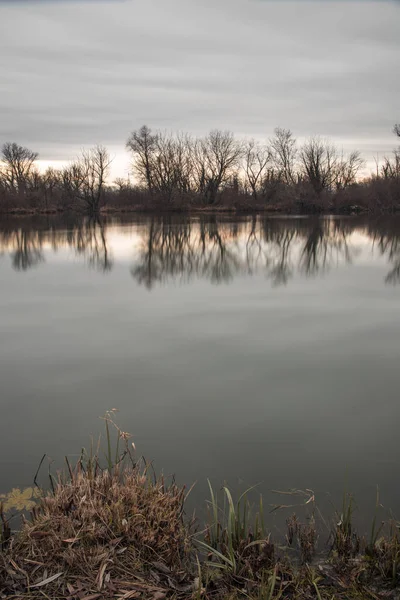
(235, 539)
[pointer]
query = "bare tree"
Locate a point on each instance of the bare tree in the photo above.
(199, 167)
(171, 165)
(85, 180)
(284, 154)
(162, 162)
(96, 163)
(73, 178)
(320, 163)
(50, 185)
(326, 169)
(391, 166)
(142, 143)
(121, 184)
(218, 156)
(16, 165)
(256, 160)
(348, 169)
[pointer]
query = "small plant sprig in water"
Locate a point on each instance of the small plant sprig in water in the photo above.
(346, 541)
(118, 456)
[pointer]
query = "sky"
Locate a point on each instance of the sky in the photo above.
(75, 73)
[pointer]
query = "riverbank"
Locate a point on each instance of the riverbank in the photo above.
(119, 531)
(197, 210)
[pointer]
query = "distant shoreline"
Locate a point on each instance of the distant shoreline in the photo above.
(209, 210)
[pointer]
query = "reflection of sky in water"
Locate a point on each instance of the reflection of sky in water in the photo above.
(289, 385)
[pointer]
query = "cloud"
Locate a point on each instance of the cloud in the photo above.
(77, 74)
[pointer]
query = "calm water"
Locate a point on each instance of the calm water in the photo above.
(241, 349)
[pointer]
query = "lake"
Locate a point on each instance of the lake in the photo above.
(246, 350)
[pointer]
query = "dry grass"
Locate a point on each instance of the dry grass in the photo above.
(114, 531)
(98, 533)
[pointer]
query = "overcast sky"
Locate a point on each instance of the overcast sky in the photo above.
(78, 73)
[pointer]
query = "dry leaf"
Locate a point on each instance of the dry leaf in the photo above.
(46, 581)
(100, 575)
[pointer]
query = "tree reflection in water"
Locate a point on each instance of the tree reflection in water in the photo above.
(385, 235)
(25, 241)
(220, 251)
(208, 247)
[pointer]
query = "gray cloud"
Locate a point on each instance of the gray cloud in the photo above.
(74, 74)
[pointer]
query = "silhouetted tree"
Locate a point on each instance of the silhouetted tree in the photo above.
(218, 157)
(177, 170)
(327, 170)
(142, 144)
(347, 170)
(284, 154)
(391, 166)
(319, 162)
(171, 165)
(17, 164)
(256, 160)
(84, 181)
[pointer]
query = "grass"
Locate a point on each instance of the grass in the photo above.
(108, 527)
(234, 538)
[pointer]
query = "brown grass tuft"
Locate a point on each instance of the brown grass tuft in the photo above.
(100, 533)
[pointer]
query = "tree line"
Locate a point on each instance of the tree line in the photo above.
(177, 171)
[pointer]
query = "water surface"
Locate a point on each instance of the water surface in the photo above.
(244, 350)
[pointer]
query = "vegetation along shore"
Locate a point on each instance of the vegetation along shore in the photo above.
(177, 172)
(118, 530)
